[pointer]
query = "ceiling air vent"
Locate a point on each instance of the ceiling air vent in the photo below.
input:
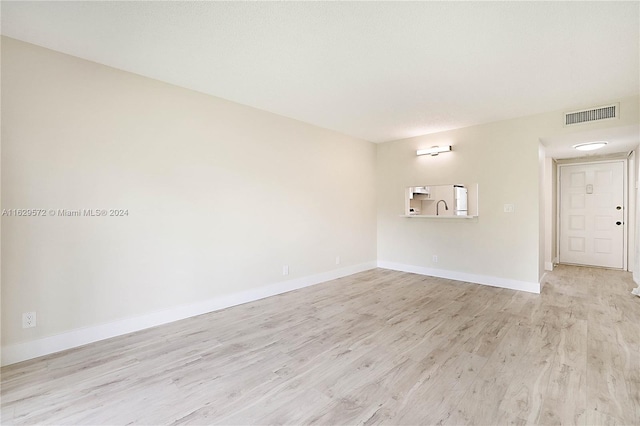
(593, 114)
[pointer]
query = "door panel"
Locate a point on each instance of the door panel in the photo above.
(589, 229)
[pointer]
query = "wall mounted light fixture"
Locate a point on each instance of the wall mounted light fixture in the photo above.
(434, 150)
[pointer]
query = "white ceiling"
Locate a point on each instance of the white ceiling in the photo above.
(620, 139)
(376, 70)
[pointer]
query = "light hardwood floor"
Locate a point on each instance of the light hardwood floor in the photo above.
(379, 347)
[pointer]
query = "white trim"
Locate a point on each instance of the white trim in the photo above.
(531, 287)
(541, 282)
(433, 216)
(548, 266)
(631, 210)
(82, 336)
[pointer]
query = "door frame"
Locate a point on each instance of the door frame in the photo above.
(625, 205)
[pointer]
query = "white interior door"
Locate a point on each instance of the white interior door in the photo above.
(592, 214)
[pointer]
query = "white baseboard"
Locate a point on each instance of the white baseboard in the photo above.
(548, 266)
(74, 338)
(530, 287)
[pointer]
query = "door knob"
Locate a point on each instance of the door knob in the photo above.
(618, 207)
(618, 223)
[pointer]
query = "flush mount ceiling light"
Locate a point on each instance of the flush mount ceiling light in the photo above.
(434, 150)
(590, 146)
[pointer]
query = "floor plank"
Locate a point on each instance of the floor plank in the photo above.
(378, 347)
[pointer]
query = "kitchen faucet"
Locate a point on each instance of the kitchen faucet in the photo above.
(438, 207)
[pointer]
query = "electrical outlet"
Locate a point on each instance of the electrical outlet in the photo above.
(337, 260)
(509, 208)
(435, 258)
(28, 319)
(285, 270)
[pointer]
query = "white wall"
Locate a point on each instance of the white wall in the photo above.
(542, 212)
(502, 247)
(549, 208)
(507, 161)
(220, 196)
